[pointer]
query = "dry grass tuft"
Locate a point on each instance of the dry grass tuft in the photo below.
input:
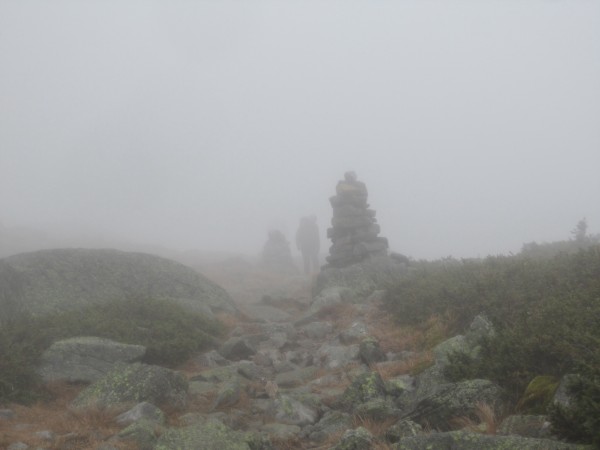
(341, 315)
(376, 427)
(486, 423)
(82, 429)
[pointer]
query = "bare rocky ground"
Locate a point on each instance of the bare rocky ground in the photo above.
(295, 372)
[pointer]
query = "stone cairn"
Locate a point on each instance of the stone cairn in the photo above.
(354, 231)
(277, 255)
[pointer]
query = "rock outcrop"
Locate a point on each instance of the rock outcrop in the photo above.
(65, 279)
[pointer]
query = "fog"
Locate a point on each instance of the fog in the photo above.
(201, 125)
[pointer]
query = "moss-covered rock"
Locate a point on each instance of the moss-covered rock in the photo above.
(85, 359)
(291, 411)
(456, 400)
(539, 395)
(143, 432)
(473, 441)
(366, 387)
(136, 383)
(211, 435)
(369, 351)
(357, 439)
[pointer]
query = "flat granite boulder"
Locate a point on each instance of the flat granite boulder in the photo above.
(136, 383)
(472, 441)
(211, 435)
(455, 400)
(85, 359)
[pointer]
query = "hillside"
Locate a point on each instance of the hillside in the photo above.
(62, 279)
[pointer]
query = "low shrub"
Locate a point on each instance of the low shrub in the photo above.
(168, 331)
(546, 313)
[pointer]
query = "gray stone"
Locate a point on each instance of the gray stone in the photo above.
(378, 409)
(45, 435)
(288, 410)
(251, 371)
(334, 356)
(6, 414)
(373, 273)
(480, 329)
(331, 423)
(357, 439)
(464, 440)
(402, 429)
(143, 432)
(281, 431)
(454, 400)
(211, 359)
(228, 395)
(353, 334)
(526, 426)
(317, 330)
(211, 435)
(265, 313)
(18, 446)
(370, 352)
(331, 296)
(140, 411)
(216, 374)
(366, 387)
(134, 384)
(200, 388)
(236, 348)
(562, 397)
(295, 377)
(85, 359)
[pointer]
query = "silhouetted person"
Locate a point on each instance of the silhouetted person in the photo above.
(307, 241)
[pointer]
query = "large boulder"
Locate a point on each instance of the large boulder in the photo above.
(357, 439)
(85, 359)
(473, 441)
(455, 400)
(63, 279)
(291, 411)
(136, 383)
(366, 387)
(331, 423)
(211, 435)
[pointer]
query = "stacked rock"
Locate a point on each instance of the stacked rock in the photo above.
(277, 255)
(354, 231)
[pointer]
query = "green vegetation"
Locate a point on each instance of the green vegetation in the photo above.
(545, 307)
(170, 332)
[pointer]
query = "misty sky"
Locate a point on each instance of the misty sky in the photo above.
(201, 124)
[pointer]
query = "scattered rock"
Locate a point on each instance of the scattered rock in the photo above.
(370, 352)
(358, 439)
(293, 412)
(236, 348)
(464, 440)
(455, 400)
(526, 426)
(211, 435)
(366, 387)
(140, 411)
(334, 356)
